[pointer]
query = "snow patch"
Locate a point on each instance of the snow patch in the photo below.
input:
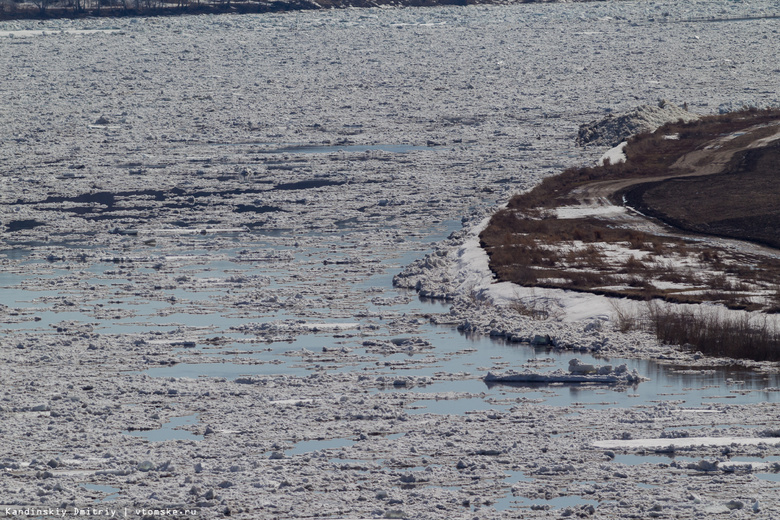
(614, 155)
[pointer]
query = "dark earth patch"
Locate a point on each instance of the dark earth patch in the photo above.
(739, 203)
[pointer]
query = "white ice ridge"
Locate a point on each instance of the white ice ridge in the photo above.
(578, 373)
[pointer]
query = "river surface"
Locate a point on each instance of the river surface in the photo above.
(450, 351)
(202, 216)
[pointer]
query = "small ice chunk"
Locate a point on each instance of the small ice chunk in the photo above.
(704, 465)
(578, 367)
(735, 504)
(145, 466)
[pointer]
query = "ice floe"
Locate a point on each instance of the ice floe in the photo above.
(578, 373)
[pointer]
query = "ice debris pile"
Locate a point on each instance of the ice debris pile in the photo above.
(613, 130)
(579, 372)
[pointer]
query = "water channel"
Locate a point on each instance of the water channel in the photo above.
(39, 291)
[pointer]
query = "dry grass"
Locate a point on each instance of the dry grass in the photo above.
(712, 333)
(535, 308)
(544, 254)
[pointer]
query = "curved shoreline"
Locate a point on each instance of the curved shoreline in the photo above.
(750, 230)
(579, 322)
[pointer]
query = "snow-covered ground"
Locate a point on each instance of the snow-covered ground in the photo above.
(202, 219)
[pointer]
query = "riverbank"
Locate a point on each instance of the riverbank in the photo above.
(458, 272)
(586, 230)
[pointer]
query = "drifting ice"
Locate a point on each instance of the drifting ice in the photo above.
(578, 373)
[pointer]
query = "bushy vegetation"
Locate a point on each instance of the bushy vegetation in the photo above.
(709, 332)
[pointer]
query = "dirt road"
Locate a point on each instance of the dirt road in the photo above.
(711, 159)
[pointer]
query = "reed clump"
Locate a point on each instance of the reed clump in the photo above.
(713, 333)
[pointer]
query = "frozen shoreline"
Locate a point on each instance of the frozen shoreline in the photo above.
(458, 272)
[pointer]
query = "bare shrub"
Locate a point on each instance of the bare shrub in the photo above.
(633, 265)
(521, 274)
(589, 279)
(537, 308)
(710, 256)
(625, 319)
